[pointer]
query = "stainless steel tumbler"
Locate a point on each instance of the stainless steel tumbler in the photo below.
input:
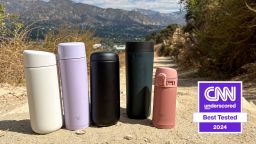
(105, 88)
(164, 109)
(139, 70)
(74, 79)
(43, 91)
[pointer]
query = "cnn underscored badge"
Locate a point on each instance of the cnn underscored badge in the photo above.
(220, 107)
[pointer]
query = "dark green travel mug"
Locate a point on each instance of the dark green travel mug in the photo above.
(139, 70)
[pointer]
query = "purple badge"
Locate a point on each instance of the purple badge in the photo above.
(220, 107)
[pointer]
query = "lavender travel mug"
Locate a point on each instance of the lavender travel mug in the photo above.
(74, 80)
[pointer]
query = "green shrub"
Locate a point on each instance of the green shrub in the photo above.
(159, 37)
(223, 34)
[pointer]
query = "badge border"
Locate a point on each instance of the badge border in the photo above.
(198, 109)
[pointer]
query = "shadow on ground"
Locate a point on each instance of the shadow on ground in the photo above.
(19, 126)
(125, 119)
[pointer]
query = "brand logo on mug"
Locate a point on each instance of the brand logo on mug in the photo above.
(77, 117)
(219, 107)
(171, 82)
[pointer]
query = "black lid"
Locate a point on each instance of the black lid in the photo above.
(139, 46)
(104, 56)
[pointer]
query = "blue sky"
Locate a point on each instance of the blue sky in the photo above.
(164, 6)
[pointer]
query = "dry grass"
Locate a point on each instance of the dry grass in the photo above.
(11, 59)
(11, 52)
(66, 34)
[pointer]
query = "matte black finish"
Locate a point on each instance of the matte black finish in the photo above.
(104, 56)
(105, 88)
(139, 71)
(139, 47)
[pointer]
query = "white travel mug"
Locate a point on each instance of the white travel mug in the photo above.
(43, 91)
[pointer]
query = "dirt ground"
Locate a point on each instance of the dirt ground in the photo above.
(15, 126)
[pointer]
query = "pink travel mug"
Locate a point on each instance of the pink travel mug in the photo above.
(164, 109)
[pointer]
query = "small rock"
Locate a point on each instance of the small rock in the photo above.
(118, 124)
(147, 140)
(2, 134)
(168, 142)
(80, 132)
(128, 137)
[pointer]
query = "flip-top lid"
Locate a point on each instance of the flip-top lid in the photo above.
(35, 59)
(140, 47)
(169, 72)
(166, 77)
(71, 50)
(104, 56)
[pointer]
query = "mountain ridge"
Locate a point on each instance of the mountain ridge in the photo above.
(80, 12)
(104, 20)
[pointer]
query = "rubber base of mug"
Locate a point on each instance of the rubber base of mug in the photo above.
(164, 126)
(104, 125)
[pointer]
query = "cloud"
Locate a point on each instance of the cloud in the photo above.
(164, 6)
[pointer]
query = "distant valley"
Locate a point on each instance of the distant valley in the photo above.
(110, 24)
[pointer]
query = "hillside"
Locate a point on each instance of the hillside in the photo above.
(108, 23)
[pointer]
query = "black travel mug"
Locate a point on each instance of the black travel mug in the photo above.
(139, 71)
(105, 88)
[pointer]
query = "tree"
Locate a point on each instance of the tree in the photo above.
(223, 32)
(165, 34)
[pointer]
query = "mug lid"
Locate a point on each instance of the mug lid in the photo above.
(104, 56)
(169, 72)
(71, 50)
(166, 77)
(139, 46)
(34, 59)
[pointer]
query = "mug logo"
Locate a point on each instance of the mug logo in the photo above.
(77, 117)
(163, 81)
(215, 93)
(171, 83)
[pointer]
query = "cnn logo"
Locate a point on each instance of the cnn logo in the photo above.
(216, 93)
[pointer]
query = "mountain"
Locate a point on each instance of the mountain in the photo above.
(105, 21)
(164, 18)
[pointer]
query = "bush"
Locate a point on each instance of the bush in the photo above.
(164, 50)
(223, 34)
(13, 44)
(160, 37)
(65, 34)
(11, 61)
(9, 25)
(11, 52)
